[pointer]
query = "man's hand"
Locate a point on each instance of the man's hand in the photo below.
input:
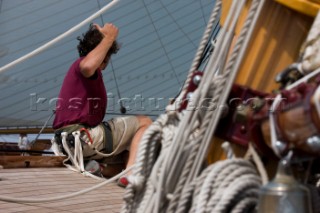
(95, 59)
(109, 31)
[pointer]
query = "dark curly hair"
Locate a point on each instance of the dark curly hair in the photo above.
(91, 39)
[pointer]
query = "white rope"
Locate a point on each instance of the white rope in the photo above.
(40, 200)
(231, 71)
(76, 166)
(75, 155)
(258, 163)
(137, 193)
(226, 186)
(275, 143)
(304, 79)
(311, 56)
(58, 38)
(211, 121)
(173, 165)
(191, 116)
(152, 138)
(173, 174)
(78, 155)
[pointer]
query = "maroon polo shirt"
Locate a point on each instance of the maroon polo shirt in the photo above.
(81, 100)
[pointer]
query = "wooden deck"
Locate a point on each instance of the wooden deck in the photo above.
(50, 182)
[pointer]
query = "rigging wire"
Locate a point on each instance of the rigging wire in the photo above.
(44, 126)
(37, 80)
(209, 46)
(99, 7)
(163, 47)
(208, 49)
(202, 12)
(178, 25)
(123, 110)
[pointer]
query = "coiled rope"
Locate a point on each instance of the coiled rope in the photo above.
(160, 133)
(225, 185)
(175, 170)
(218, 186)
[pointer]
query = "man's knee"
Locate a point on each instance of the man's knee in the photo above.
(144, 121)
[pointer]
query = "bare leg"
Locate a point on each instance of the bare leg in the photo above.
(112, 170)
(144, 123)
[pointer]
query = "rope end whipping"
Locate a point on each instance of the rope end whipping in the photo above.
(136, 181)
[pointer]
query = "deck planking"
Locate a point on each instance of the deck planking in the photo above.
(52, 182)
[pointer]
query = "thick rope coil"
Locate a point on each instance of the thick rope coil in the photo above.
(220, 178)
(222, 191)
(190, 196)
(245, 183)
(187, 151)
(230, 73)
(245, 205)
(197, 184)
(174, 202)
(158, 169)
(152, 138)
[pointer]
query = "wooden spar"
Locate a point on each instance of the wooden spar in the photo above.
(25, 131)
(307, 7)
(31, 161)
(38, 146)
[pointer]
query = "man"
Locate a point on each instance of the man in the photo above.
(82, 101)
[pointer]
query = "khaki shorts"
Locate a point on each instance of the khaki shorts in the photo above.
(123, 130)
